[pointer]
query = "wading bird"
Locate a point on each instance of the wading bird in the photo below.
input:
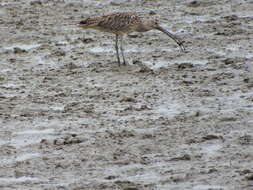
(121, 23)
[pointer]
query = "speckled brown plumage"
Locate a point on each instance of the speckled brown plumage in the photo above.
(121, 23)
(118, 23)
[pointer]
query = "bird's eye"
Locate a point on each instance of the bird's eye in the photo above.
(83, 22)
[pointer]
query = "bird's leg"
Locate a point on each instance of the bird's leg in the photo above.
(122, 49)
(117, 48)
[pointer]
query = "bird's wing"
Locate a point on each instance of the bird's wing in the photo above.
(118, 21)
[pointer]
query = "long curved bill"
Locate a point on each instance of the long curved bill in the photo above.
(177, 40)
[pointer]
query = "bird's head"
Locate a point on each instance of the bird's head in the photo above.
(151, 24)
(87, 23)
(154, 24)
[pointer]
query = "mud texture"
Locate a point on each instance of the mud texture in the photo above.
(70, 118)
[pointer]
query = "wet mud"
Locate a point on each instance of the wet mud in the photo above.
(70, 118)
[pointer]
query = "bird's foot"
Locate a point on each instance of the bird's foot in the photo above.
(125, 63)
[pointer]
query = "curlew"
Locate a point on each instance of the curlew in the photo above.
(122, 23)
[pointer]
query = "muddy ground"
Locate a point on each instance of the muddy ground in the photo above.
(70, 118)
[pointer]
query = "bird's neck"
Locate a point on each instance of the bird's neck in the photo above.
(144, 27)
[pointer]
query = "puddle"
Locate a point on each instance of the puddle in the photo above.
(217, 52)
(190, 61)
(156, 64)
(11, 180)
(233, 47)
(111, 49)
(40, 107)
(243, 14)
(27, 140)
(189, 186)
(26, 157)
(34, 132)
(20, 158)
(211, 149)
(57, 108)
(232, 51)
(206, 18)
(29, 137)
(239, 133)
(207, 187)
(170, 109)
(3, 142)
(249, 55)
(5, 70)
(237, 51)
(62, 43)
(100, 50)
(39, 60)
(23, 46)
(147, 178)
(210, 18)
(2, 12)
(5, 3)
(164, 63)
(11, 86)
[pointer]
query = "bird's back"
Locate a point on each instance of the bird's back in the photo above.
(118, 22)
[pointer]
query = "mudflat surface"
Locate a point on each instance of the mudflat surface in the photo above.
(70, 118)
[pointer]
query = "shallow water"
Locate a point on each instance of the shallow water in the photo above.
(211, 150)
(35, 132)
(208, 187)
(23, 46)
(26, 157)
(11, 180)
